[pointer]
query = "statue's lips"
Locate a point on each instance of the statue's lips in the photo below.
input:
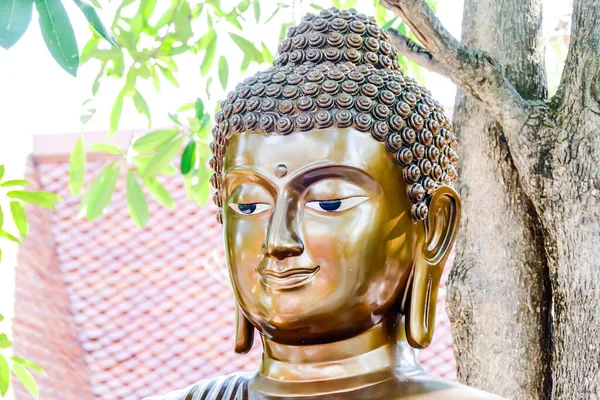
(288, 279)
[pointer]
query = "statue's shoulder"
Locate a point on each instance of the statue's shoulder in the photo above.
(457, 391)
(425, 386)
(234, 386)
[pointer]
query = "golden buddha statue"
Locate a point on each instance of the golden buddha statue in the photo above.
(333, 174)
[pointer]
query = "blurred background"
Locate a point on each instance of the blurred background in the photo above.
(119, 290)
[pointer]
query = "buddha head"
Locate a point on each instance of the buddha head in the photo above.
(333, 176)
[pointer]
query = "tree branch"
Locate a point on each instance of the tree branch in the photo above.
(474, 71)
(416, 53)
(580, 79)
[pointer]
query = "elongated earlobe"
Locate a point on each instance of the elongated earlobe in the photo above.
(421, 307)
(441, 227)
(244, 332)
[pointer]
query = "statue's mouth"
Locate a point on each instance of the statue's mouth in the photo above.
(288, 279)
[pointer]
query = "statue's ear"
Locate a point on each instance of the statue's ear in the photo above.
(441, 226)
(244, 332)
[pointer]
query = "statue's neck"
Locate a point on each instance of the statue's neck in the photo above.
(372, 357)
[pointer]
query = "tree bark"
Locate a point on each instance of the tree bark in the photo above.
(498, 292)
(570, 206)
(524, 293)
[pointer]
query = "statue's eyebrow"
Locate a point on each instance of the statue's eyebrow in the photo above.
(306, 177)
(255, 176)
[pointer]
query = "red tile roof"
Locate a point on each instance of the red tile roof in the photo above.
(151, 309)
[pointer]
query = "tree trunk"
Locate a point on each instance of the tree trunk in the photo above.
(524, 295)
(498, 293)
(570, 206)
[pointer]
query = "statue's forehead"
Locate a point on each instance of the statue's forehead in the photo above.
(300, 149)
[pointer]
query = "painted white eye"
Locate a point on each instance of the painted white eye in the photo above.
(249, 208)
(336, 205)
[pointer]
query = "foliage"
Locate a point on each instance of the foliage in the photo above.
(19, 366)
(19, 197)
(15, 16)
(150, 44)
(145, 43)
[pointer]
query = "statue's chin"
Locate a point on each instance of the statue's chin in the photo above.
(307, 329)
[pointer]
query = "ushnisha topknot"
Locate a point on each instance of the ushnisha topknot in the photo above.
(338, 69)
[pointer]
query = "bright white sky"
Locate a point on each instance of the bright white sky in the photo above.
(38, 97)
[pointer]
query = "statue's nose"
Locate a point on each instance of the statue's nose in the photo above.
(282, 239)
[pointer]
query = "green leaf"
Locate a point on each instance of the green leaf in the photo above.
(174, 118)
(199, 106)
(389, 24)
(10, 237)
(14, 182)
(203, 193)
(1, 171)
(155, 78)
(115, 114)
(432, 4)
(108, 148)
(208, 57)
(279, 7)
(162, 157)
(187, 106)
(245, 64)
(1, 317)
(207, 86)
(141, 106)
(169, 75)
(97, 81)
(28, 364)
(179, 50)
(267, 56)
(87, 115)
(18, 213)
(223, 72)
(147, 8)
(100, 191)
(92, 16)
(183, 23)
(42, 199)
(1, 223)
(247, 47)
(4, 376)
(58, 34)
(402, 30)
(188, 157)
(15, 16)
(136, 201)
(77, 167)
(26, 379)
(232, 18)
(153, 140)
(158, 191)
(243, 5)
(205, 40)
(141, 162)
(256, 6)
(131, 79)
(5, 343)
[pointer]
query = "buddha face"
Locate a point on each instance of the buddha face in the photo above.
(318, 232)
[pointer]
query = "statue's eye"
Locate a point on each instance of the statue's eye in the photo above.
(249, 208)
(336, 205)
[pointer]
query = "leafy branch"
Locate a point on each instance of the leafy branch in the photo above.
(19, 366)
(14, 191)
(146, 158)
